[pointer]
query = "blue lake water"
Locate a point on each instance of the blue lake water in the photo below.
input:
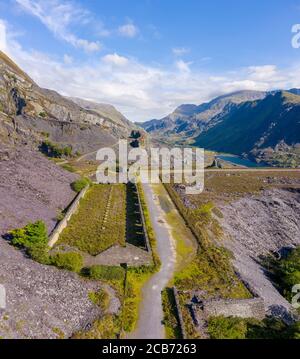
(240, 161)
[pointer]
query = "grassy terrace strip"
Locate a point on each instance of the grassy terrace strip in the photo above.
(100, 221)
(149, 228)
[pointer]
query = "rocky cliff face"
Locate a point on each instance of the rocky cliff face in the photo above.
(30, 113)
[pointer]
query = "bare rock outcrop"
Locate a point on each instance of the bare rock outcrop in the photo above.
(257, 225)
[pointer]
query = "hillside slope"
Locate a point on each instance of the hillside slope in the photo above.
(254, 127)
(188, 121)
(33, 113)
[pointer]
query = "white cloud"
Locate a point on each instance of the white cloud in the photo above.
(262, 72)
(183, 66)
(3, 44)
(115, 59)
(128, 30)
(179, 51)
(142, 91)
(68, 60)
(58, 16)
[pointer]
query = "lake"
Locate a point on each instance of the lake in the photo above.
(240, 161)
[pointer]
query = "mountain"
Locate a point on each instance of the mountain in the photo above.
(29, 114)
(262, 129)
(106, 111)
(188, 121)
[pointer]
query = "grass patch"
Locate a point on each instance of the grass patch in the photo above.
(149, 228)
(285, 272)
(100, 220)
(136, 278)
(108, 327)
(70, 261)
(239, 328)
(107, 273)
(100, 298)
(171, 320)
(80, 184)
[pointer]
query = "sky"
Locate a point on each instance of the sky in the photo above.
(147, 57)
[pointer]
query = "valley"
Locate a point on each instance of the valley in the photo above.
(86, 260)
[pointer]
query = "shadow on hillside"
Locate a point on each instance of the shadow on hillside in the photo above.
(134, 228)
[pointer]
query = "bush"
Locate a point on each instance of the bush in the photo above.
(286, 272)
(32, 234)
(39, 253)
(80, 184)
(34, 238)
(227, 328)
(52, 150)
(71, 261)
(100, 272)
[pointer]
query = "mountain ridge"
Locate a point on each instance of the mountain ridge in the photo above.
(29, 113)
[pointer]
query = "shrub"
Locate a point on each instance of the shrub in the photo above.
(71, 261)
(42, 114)
(52, 150)
(227, 328)
(31, 234)
(286, 271)
(101, 298)
(80, 184)
(100, 272)
(39, 253)
(34, 238)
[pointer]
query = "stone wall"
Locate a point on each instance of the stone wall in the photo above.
(63, 223)
(243, 308)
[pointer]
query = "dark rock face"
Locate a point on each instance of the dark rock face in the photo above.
(41, 112)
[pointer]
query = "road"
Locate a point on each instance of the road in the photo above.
(151, 314)
(171, 235)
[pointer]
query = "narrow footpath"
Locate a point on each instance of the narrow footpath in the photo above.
(150, 325)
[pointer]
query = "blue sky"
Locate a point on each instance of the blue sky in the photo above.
(148, 56)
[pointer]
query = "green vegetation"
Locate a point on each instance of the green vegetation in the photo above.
(101, 298)
(68, 167)
(106, 273)
(80, 184)
(241, 129)
(43, 114)
(211, 269)
(188, 323)
(227, 328)
(52, 150)
(100, 221)
(31, 234)
(34, 238)
(108, 327)
(135, 134)
(238, 328)
(285, 272)
(71, 261)
(171, 321)
(149, 228)
(135, 280)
